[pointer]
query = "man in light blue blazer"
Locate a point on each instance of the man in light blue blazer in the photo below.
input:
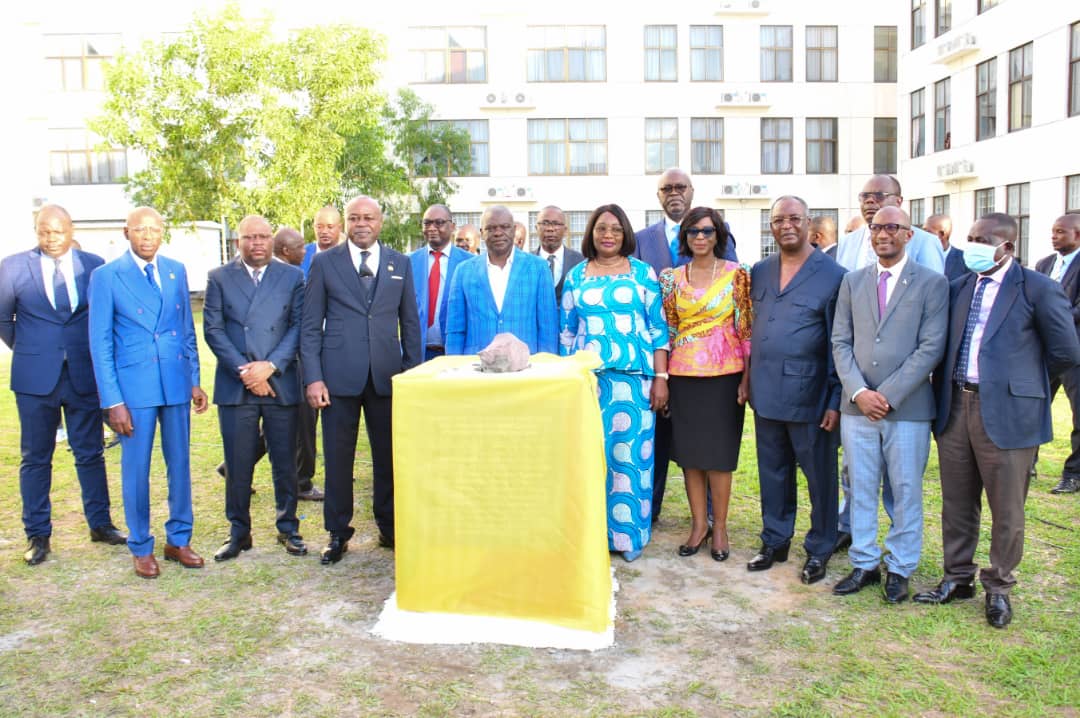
(146, 361)
(433, 267)
(889, 333)
(43, 319)
(506, 290)
(854, 251)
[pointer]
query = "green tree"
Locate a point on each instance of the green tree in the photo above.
(232, 120)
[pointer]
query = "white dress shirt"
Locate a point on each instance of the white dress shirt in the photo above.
(499, 278)
(373, 259)
(141, 264)
(558, 255)
(1061, 265)
(988, 298)
(251, 271)
(894, 275)
(67, 266)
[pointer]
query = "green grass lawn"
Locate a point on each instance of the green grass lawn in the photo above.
(270, 635)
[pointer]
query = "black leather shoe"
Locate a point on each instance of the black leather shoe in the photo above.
(385, 541)
(945, 592)
(856, 581)
(107, 533)
(293, 543)
(767, 556)
(334, 550)
(1067, 485)
(232, 548)
(36, 550)
(896, 588)
(720, 555)
(843, 542)
(814, 569)
(998, 610)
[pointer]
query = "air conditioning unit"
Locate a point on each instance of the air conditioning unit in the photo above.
(742, 7)
(39, 202)
(493, 192)
(759, 190)
(507, 100)
(730, 189)
(743, 98)
(757, 97)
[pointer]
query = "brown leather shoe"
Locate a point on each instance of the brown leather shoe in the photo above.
(146, 566)
(184, 555)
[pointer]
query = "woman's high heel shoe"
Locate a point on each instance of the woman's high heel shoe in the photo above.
(685, 550)
(721, 555)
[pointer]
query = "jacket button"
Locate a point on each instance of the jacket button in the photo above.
(874, 363)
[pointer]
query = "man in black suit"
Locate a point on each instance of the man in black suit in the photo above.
(360, 327)
(1063, 269)
(551, 226)
(940, 226)
(43, 319)
(251, 321)
(823, 235)
(1010, 330)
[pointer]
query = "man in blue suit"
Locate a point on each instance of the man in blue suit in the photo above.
(794, 389)
(251, 320)
(855, 251)
(658, 246)
(360, 327)
(433, 268)
(507, 290)
(1010, 331)
(43, 319)
(327, 235)
(940, 226)
(146, 361)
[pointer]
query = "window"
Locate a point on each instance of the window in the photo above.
(986, 99)
(707, 145)
(942, 17)
(74, 159)
(918, 23)
(706, 53)
(768, 242)
(885, 53)
(941, 204)
(1020, 66)
(568, 147)
(820, 145)
(478, 147)
(661, 55)
(575, 228)
(776, 53)
(449, 54)
(821, 53)
(652, 216)
(1072, 193)
(570, 53)
(833, 214)
(463, 218)
(942, 116)
(917, 212)
(984, 202)
(884, 145)
(75, 62)
(918, 124)
(776, 145)
(1074, 70)
(1016, 206)
(661, 144)
(985, 5)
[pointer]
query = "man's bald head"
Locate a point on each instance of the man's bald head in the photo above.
(289, 246)
(55, 233)
(940, 226)
(144, 229)
(822, 232)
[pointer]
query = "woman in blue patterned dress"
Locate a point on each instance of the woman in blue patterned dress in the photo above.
(611, 305)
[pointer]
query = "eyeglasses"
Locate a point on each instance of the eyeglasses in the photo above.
(250, 237)
(550, 223)
(794, 220)
(706, 232)
(152, 231)
(440, 223)
(614, 229)
(669, 188)
(890, 227)
(876, 196)
(492, 228)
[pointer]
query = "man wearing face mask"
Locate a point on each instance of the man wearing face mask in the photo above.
(1010, 332)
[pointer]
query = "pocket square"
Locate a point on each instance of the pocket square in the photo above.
(395, 276)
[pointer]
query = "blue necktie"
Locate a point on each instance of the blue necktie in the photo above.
(60, 292)
(960, 373)
(675, 246)
(149, 269)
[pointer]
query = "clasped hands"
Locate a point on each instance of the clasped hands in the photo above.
(872, 404)
(256, 376)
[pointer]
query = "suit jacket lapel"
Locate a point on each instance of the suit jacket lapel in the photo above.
(807, 270)
(238, 273)
(1068, 282)
(82, 279)
(135, 280)
(342, 263)
(387, 266)
(902, 284)
(34, 267)
(1007, 294)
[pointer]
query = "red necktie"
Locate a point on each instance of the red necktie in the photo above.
(433, 288)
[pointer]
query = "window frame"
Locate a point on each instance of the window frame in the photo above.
(888, 51)
(1073, 100)
(1021, 85)
(986, 98)
(918, 139)
(776, 52)
(706, 51)
(827, 147)
(88, 157)
(566, 49)
(660, 52)
(448, 52)
(917, 212)
(942, 17)
(942, 115)
(696, 143)
(468, 125)
(768, 241)
(980, 196)
(1072, 194)
(663, 141)
(918, 23)
(1021, 212)
(889, 142)
(567, 144)
(817, 55)
(778, 143)
(61, 59)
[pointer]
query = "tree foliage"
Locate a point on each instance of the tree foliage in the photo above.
(233, 121)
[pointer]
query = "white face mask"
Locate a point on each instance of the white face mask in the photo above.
(980, 257)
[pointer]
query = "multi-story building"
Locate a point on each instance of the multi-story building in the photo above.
(581, 105)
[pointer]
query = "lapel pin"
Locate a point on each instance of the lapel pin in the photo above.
(390, 267)
(905, 281)
(172, 276)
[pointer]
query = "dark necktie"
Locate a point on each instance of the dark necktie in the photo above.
(255, 277)
(61, 298)
(960, 374)
(551, 265)
(434, 277)
(149, 269)
(367, 277)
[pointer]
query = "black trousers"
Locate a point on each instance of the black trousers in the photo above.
(240, 432)
(662, 455)
(341, 425)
